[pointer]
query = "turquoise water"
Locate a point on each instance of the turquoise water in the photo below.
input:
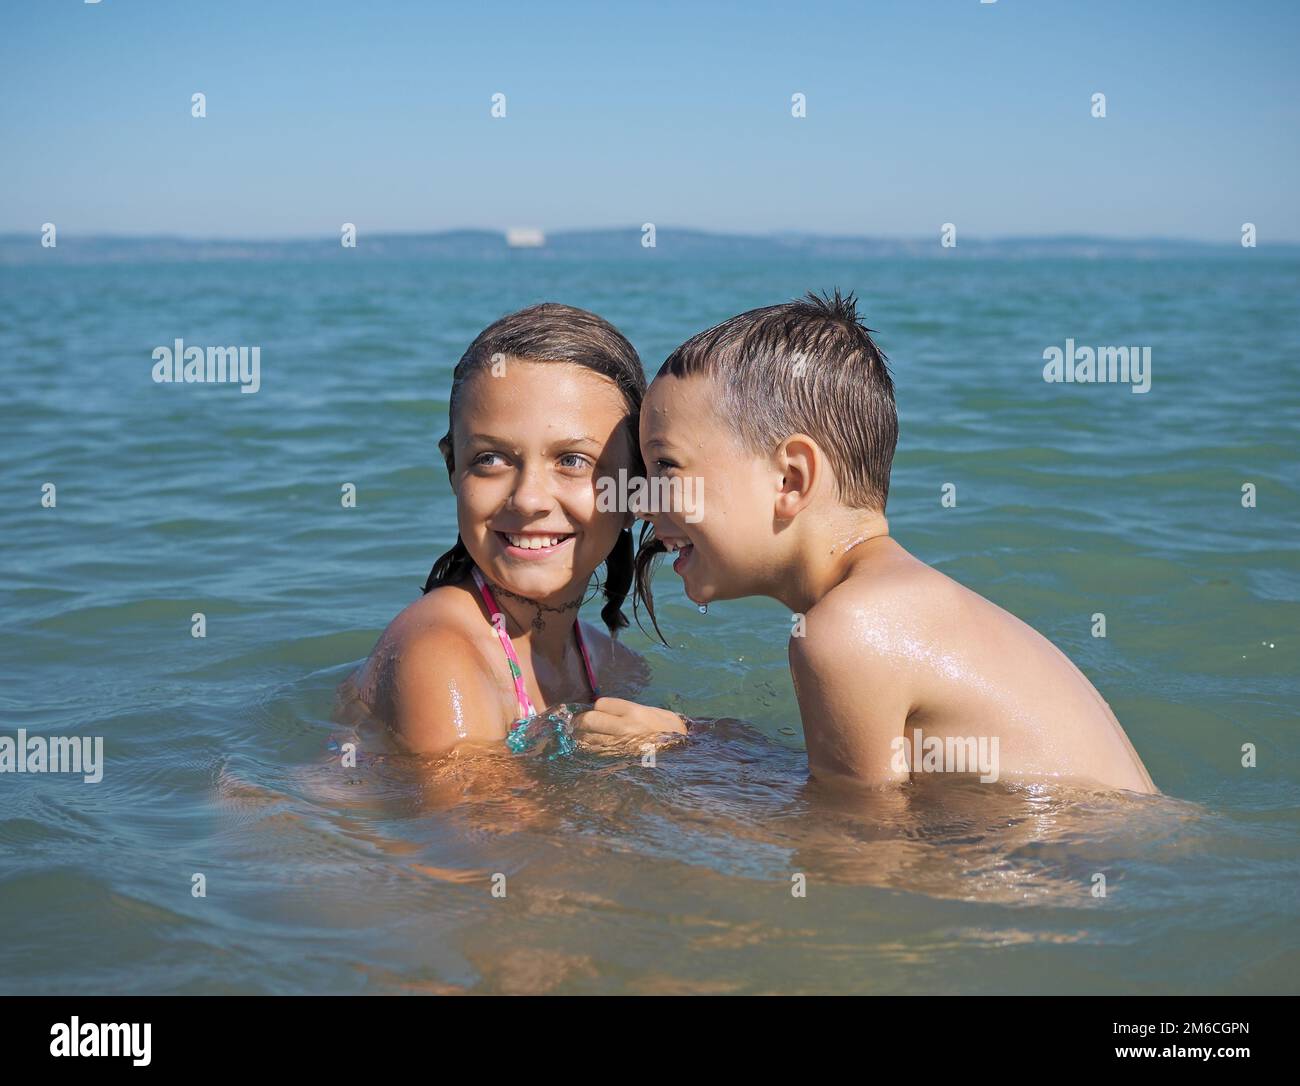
(1071, 500)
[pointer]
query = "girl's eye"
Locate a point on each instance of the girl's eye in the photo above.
(664, 465)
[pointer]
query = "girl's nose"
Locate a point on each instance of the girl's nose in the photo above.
(531, 494)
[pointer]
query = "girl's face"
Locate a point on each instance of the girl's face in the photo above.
(530, 445)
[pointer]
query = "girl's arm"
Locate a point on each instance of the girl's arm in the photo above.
(613, 719)
(616, 718)
(434, 694)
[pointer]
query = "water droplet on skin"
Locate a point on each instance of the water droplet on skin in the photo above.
(458, 712)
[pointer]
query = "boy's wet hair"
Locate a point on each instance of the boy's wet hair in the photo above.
(550, 332)
(804, 367)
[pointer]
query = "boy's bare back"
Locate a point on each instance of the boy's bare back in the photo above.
(897, 655)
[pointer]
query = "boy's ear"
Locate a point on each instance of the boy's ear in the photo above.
(801, 464)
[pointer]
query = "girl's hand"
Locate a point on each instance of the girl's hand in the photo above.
(619, 719)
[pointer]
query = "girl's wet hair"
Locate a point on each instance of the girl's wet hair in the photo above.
(551, 332)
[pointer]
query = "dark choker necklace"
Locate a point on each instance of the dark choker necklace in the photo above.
(539, 623)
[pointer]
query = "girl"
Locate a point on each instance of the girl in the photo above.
(543, 405)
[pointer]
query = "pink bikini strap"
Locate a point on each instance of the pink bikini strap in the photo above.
(526, 707)
(586, 660)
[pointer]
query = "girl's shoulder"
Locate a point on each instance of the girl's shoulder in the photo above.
(443, 624)
(452, 608)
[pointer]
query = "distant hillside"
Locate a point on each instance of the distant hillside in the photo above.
(610, 244)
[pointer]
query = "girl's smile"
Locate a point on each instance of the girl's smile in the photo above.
(532, 546)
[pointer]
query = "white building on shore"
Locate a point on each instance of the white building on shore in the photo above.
(525, 237)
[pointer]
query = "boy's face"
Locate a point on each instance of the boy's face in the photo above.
(725, 540)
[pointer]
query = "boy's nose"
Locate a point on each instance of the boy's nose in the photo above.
(645, 514)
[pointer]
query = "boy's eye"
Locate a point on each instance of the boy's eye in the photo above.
(487, 460)
(575, 461)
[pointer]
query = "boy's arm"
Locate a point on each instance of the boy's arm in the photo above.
(854, 704)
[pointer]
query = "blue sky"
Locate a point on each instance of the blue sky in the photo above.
(918, 113)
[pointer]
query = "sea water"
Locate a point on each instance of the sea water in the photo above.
(228, 848)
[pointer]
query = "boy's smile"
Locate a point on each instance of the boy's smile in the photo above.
(684, 552)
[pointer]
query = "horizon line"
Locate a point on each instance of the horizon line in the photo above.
(774, 235)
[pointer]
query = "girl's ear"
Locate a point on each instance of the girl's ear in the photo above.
(444, 447)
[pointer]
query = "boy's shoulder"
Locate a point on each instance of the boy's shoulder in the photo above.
(890, 605)
(890, 583)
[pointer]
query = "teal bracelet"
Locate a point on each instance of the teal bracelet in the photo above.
(535, 731)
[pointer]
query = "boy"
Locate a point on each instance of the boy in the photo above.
(787, 415)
